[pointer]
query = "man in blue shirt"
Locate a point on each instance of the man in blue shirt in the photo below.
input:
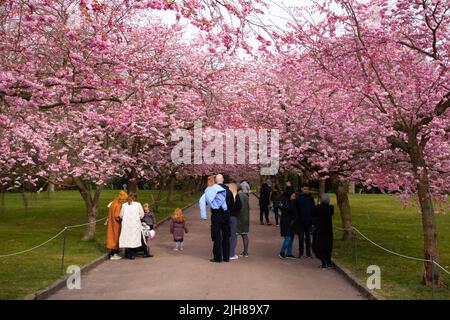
(216, 197)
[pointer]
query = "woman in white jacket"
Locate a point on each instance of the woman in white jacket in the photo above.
(131, 234)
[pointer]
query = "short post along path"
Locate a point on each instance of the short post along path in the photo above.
(188, 274)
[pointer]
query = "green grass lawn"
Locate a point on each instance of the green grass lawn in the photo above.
(45, 216)
(386, 221)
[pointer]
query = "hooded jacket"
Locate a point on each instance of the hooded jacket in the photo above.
(214, 197)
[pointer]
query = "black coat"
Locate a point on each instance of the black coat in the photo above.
(323, 233)
(264, 196)
(287, 217)
(229, 199)
(288, 190)
(236, 208)
(305, 209)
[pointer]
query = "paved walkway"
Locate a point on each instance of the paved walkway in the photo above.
(188, 274)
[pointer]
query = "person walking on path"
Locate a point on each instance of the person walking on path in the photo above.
(113, 225)
(131, 236)
(178, 228)
(323, 233)
(234, 213)
(264, 202)
(245, 186)
(305, 208)
(276, 201)
(215, 197)
(244, 219)
(287, 224)
(148, 224)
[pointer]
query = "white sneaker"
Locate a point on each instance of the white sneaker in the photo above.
(235, 257)
(116, 257)
(181, 248)
(175, 249)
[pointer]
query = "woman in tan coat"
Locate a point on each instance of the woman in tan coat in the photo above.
(113, 225)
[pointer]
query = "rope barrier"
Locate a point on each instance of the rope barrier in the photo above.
(85, 224)
(49, 240)
(33, 248)
(393, 252)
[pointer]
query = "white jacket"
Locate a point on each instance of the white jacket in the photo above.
(131, 232)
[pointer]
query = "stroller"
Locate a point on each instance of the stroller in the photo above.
(147, 234)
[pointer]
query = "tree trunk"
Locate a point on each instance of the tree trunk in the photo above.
(2, 201)
(431, 247)
(322, 183)
(51, 187)
(352, 188)
(158, 198)
(341, 189)
(24, 200)
(132, 183)
(92, 205)
(170, 190)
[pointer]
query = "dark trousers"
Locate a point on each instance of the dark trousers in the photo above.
(113, 252)
(304, 236)
(264, 210)
(325, 257)
(275, 210)
(145, 247)
(220, 234)
(130, 252)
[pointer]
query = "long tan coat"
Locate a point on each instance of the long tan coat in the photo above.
(114, 225)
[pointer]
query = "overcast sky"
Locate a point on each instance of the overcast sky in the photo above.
(275, 15)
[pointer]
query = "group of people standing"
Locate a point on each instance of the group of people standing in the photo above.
(126, 222)
(229, 205)
(302, 217)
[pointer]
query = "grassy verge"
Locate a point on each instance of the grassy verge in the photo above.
(386, 221)
(22, 228)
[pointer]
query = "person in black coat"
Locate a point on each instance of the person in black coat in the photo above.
(264, 202)
(288, 187)
(287, 223)
(323, 233)
(224, 221)
(276, 198)
(305, 206)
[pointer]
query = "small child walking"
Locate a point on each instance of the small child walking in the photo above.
(178, 228)
(149, 216)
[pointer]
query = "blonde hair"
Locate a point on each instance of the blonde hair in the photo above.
(145, 205)
(177, 215)
(233, 188)
(211, 180)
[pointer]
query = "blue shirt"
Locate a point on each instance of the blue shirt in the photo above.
(215, 198)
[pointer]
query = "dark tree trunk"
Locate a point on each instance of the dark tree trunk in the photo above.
(132, 183)
(2, 200)
(92, 206)
(431, 246)
(322, 183)
(24, 200)
(171, 187)
(158, 197)
(341, 191)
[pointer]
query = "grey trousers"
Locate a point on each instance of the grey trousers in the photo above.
(233, 235)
